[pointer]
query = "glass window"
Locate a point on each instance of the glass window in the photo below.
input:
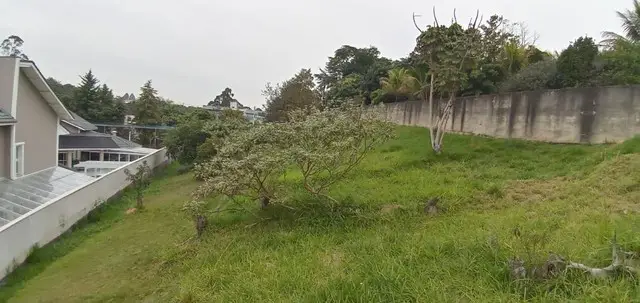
(134, 157)
(84, 156)
(19, 159)
(95, 157)
(112, 157)
(123, 158)
(62, 159)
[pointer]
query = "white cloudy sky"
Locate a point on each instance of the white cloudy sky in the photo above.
(193, 49)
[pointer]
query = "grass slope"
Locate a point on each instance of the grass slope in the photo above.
(377, 246)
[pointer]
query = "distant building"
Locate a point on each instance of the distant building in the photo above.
(84, 150)
(127, 98)
(255, 115)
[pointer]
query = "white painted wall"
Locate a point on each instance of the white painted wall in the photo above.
(45, 223)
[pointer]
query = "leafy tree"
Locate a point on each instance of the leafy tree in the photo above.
(450, 52)
(223, 99)
(296, 93)
(183, 141)
(620, 64)
(336, 81)
(12, 46)
(326, 145)
(576, 63)
(630, 19)
(64, 92)
(140, 180)
(248, 164)
(228, 124)
(539, 75)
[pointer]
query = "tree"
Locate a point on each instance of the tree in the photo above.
(86, 96)
(326, 145)
(630, 19)
(12, 46)
(296, 93)
(450, 52)
(576, 63)
(336, 81)
(183, 141)
(140, 180)
(147, 112)
(539, 75)
(620, 64)
(398, 83)
(224, 99)
(109, 110)
(64, 92)
(248, 164)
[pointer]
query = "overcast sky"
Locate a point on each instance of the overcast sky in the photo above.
(193, 49)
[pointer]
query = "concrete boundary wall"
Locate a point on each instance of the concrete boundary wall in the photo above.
(578, 115)
(45, 223)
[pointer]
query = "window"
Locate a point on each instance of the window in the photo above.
(19, 159)
(134, 157)
(94, 157)
(62, 159)
(84, 156)
(112, 157)
(123, 158)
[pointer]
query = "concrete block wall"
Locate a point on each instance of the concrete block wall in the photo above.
(578, 115)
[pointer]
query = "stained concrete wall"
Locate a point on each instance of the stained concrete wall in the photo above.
(579, 115)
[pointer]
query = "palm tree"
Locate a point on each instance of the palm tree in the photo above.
(421, 83)
(630, 25)
(398, 82)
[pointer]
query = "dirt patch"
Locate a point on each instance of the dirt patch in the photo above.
(389, 208)
(332, 259)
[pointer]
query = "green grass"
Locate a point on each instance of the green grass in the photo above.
(377, 245)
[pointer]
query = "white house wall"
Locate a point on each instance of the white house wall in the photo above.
(45, 223)
(37, 126)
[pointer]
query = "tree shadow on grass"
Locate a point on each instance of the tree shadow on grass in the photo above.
(310, 213)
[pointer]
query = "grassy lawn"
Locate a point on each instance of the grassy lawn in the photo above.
(378, 245)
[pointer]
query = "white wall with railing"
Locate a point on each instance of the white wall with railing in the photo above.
(45, 223)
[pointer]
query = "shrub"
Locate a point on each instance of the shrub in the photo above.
(326, 145)
(248, 164)
(140, 180)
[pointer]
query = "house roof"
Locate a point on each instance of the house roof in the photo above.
(95, 140)
(80, 123)
(6, 117)
(37, 79)
(18, 197)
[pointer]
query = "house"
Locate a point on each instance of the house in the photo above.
(253, 115)
(83, 149)
(29, 117)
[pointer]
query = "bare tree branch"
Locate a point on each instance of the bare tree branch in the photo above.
(435, 17)
(415, 23)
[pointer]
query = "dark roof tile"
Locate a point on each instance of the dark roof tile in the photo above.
(94, 140)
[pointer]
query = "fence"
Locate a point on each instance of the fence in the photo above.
(45, 223)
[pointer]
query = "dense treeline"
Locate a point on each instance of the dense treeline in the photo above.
(499, 56)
